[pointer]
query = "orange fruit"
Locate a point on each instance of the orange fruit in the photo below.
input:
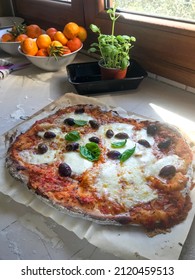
(82, 34)
(71, 30)
(29, 46)
(33, 31)
(51, 31)
(74, 44)
(7, 37)
(42, 52)
(59, 36)
(21, 37)
(51, 35)
(43, 41)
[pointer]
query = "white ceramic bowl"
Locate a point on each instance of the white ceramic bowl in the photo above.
(9, 47)
(50, 63)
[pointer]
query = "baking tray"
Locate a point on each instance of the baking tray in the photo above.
(86, 78)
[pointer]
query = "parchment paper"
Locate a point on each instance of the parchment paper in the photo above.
(126, 242)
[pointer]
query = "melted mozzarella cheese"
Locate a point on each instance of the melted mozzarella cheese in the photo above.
(123, 184)
(33, 158)
(77, 163)
(141, 157)
(116, 128)
(153, 168)
(85, 138)
(83, 116)
(56, 130)
(142, 134)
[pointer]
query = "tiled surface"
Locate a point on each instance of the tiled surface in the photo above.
(23, 233)
(172, 83)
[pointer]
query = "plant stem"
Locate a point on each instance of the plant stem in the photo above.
(113, 18)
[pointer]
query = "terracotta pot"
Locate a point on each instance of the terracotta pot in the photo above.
(111, 73)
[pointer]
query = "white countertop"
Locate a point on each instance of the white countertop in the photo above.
(25, 234)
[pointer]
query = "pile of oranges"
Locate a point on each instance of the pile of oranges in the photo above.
(51, 42)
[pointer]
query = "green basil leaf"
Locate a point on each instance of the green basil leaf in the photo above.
(127, 154)
(80, 122)
(90, 151)
(72, 136)
(119, 144)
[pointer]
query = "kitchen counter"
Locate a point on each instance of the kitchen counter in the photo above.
(25, 234)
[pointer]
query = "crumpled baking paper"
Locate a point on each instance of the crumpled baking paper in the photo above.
(125, 242)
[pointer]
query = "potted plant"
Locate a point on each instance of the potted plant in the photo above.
(114, 50)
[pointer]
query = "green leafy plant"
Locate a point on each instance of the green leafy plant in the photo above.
(113, 49)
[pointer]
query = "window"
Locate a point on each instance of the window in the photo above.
(183, 10)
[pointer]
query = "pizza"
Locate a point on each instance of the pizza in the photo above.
(95, 164)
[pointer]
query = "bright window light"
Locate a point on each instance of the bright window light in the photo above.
(186, 125)
(183, 10)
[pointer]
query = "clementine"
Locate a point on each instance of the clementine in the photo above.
(43, 41)
(71, 30)
(42, 52)
(33, 31)
(59, 36)
(7, 37)
(74, 44)
(21, 37)
(82, 34)
(51, 30)
(29, 46)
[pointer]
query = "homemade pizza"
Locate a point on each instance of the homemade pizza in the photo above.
(95, 164)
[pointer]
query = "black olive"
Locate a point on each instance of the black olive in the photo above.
(42, 148)
(144, 143)
(164, 144)
(72, 147)
(49, 135)
(121, 135)
(20, 167)
(167, 171)
(79, 110)
(94, 139)
(115, 113)
(94, 124)
(151, 129)
(113, 154)
(64, 170)
(69, 121)
(109, 133)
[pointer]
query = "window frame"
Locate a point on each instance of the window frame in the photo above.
(49, 13)
(163, 47)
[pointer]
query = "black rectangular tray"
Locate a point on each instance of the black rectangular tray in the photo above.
(86, 78)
